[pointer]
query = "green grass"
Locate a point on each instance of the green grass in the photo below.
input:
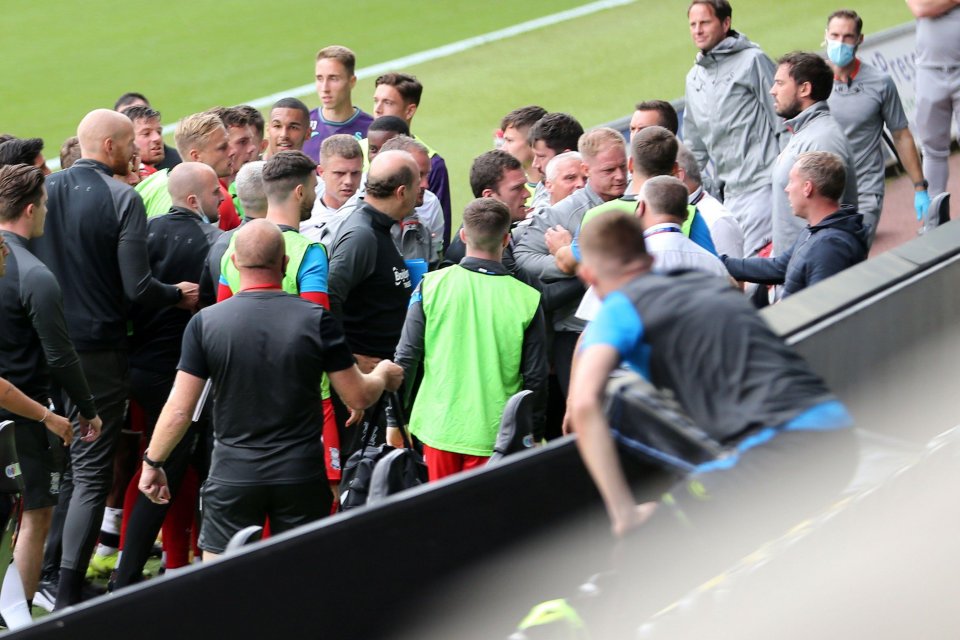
(61, 63)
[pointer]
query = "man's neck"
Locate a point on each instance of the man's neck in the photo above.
(651, 219)
(330, 202)
(613, 283)
(480, 254)
(20, 228)
(818, 211)
(386, 207)
(289, 216)
(260, 279)
(845, 74)
(340, 113)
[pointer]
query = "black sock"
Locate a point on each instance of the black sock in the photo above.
(68, 592)
(110, 539)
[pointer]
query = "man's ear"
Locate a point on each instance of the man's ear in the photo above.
(463, 235)
(286, 262)
(641, 208)
(486, 193)
(194, 155)
(506, 239)
(233, 259)
(409, 111)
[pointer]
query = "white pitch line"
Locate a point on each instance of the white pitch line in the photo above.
(442, 52)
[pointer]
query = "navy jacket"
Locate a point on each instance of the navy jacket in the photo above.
(838, 242)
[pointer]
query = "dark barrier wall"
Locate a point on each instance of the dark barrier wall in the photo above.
(355, 575)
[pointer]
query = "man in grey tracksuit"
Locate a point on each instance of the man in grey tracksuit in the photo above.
(801, 86)
(729, 118)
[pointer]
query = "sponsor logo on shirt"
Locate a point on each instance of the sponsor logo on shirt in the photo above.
(401, 277)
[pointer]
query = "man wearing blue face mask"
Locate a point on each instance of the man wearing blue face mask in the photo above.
(864, 99)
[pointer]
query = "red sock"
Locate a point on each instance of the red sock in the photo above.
(178, 524)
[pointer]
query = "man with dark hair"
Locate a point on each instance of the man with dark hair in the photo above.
(148, 134)
(369, 281)
(335, 81)
(96, 247)
(863, 101)
(256, 123)
(24, 151)
(398, 94)
(288, 126)
(654, 113)
(499, 175)
(552, 134)
(732, 122)
(171, 157)
(35, 350)
(289, 183)
(937, 83)
(499, 352)
(382, 129)
(802, 84)
(178, 244)
(745, 389)
(834, 237)
(267, 457)
(515, 129)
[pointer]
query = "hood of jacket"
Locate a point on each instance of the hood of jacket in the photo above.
(734, 43)
(845, 219)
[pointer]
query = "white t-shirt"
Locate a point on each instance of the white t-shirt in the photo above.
(724, 228)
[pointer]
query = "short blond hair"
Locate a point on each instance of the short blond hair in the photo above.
(193, 132)
(598, 139)
(341, 54)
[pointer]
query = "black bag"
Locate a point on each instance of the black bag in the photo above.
(654, 425)
(375, 472)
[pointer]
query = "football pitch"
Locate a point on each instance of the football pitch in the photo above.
(62, 59)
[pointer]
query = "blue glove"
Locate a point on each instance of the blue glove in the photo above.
(921, 202)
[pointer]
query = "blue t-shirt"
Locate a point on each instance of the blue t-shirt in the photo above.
(618, 325)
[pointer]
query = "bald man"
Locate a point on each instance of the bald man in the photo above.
(178, 244)
(95, 245)
(267, 459)
(369, 284)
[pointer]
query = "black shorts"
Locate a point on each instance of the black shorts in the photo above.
(227, 509)
(38, 464)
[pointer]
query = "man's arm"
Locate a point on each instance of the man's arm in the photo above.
(931, 8)
(174, 420)
(43, 302)
(358, 389)
(312, 280)
(139, 285)
(534, 367)
(531, 251)
(409, 353)
(759, 270)
(830, 256)
(16, 401)
(352, 259)
(594, 440)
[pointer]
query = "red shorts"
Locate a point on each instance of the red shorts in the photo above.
(441, 464)
(331, 442)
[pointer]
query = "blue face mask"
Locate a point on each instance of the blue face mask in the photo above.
(840, 53)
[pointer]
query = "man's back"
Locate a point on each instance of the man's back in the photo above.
(94, 237)
(699, 337)
(245, 345)
(475, 322)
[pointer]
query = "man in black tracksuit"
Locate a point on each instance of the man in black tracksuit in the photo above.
(369, 283)
(95, 244)
(834, 239)
(178, 244)
(35, 350)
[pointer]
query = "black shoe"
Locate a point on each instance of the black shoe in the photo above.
(46, 596)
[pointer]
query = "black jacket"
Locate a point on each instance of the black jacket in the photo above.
(837, 242)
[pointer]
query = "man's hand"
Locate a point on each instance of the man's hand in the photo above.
(921, 202)
(366, 364)
(557, 237)
(60, 427)
(392, 374)
(356, 415)
(395, 438)
(190, 299)
(90, 429)
(153, 484)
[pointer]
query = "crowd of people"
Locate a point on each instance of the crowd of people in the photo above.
(226, 310)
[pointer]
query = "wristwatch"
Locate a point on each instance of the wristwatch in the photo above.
(156, 464)
(922, 183)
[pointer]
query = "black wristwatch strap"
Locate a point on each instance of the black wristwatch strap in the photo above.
(152, 463)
